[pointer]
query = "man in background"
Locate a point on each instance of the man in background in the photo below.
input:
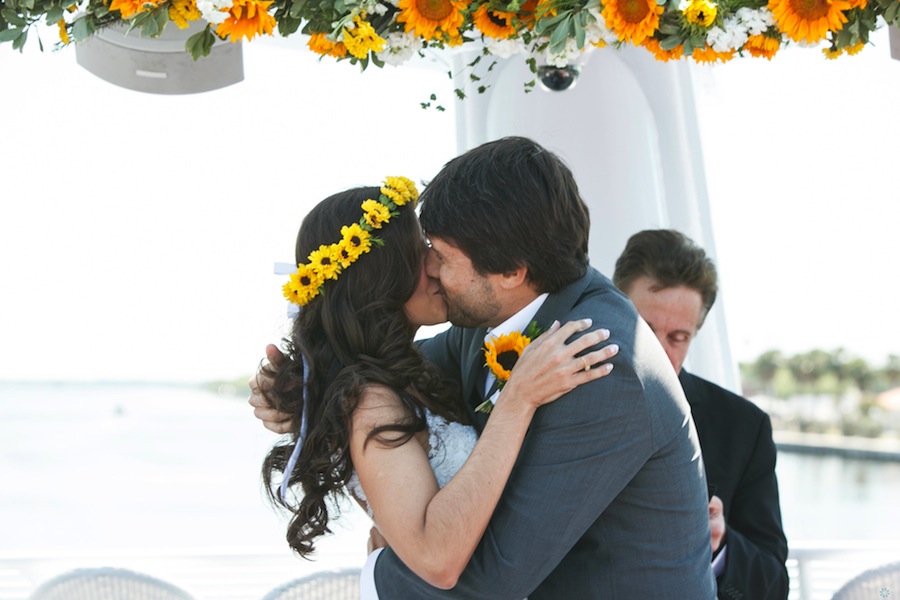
(673, 284)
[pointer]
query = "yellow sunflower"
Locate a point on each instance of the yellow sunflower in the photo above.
(63, 33)
(855, 48)
(128, 8)
(432, 19)
(355, 241)
(543, 9)
(527, 14)
(501, 353)
(494, 23)
(303, 285)
(708, 55)
(247, 19)
(375, 213)
(699, 12)
(808, 20)
(652, 44)
(632, 20)
(762, 46)
(362, 39)
(320, 44)
(400, 190)
(326, 261)
(182, 11)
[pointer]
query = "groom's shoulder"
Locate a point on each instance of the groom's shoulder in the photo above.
(599, 297)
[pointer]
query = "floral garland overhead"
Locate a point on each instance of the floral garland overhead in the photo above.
(392, 31)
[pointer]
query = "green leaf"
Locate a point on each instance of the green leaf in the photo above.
(546, 23)
(558, 38)
(8, 35)
(54, 14)
(19, 42)
(82, 29)
(201, 43)
(151, 28)
(296, 10)
(669, 28)
(670, 43)
(13, 18)
(843, 38)
(579, 34)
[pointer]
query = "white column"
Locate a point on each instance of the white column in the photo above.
(628, 130)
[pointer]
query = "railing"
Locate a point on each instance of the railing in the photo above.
(816, 569)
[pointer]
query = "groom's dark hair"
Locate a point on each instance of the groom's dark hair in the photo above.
(511, 203)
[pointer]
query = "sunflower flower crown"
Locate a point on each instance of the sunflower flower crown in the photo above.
(328, 262)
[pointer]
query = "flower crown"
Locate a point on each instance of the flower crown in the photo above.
(330, 261)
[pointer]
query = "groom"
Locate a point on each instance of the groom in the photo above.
(608, 499)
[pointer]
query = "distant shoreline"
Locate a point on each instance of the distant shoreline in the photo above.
(886, 449)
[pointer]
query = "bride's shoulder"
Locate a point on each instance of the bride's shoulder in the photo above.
(378, 405)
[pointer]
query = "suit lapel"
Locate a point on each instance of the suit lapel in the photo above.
(471, 370)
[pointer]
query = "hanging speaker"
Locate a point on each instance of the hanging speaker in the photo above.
(160, 65)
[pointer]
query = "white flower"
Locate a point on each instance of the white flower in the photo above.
(504, 48)
(731, 36)
(211, 10)
(755, 20)
(569, 54)
(400, 47)
(597, 30)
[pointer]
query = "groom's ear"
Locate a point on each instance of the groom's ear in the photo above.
(515, 278)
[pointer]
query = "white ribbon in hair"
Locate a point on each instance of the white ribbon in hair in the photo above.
(295, 455)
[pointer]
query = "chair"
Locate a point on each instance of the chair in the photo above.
(327, 585)
(107, 583)
(874, 584)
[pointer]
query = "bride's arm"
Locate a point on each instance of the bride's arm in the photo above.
(435, 531)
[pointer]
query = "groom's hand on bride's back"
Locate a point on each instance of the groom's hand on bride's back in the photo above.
(272, 419)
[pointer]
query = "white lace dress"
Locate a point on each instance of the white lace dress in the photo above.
(450, 443)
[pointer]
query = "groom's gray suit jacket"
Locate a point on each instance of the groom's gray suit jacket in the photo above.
(608, 499)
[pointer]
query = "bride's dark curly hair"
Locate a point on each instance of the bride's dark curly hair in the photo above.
(354, 334)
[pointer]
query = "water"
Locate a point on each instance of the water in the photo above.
(123, 467)
(86, 468)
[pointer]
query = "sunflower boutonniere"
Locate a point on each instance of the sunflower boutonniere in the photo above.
(501, 354)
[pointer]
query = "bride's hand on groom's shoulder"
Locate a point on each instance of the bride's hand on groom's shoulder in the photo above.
(272, 419)
(554, 364)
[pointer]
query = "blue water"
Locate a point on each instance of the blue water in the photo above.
(86, 467)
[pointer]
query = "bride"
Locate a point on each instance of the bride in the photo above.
(369, 416)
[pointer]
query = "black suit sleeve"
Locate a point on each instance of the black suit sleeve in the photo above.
(757, 548)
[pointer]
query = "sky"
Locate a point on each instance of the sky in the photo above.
(139, 231)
